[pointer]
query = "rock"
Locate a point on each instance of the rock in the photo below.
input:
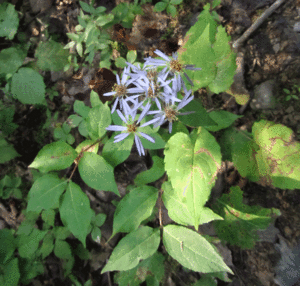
(264, 95)
(290, 109)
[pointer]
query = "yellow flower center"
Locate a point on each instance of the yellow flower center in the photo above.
(120, 90)
(175, 66)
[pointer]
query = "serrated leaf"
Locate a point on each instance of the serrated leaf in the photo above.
(9, 20)
(192, 250)
(192, 163)
(7, 151)
(131, 56)
(75, 211)
(48, 216)
(97, 173)
(28, 86)
(11, 273)
(139, 244)
(53, 157)
(61, 232)
(79, 49)
(45, 193)
(176, 2)
(171, 10)
(134, 208)
(47, 246)
(241, 221)
(85, 7)
(51, 56)
(104, 19)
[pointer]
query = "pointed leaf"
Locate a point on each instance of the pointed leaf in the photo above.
(75, 211)
(192, 250)
(139, 244)
(134, 208)
(45, 193)
(53, 157)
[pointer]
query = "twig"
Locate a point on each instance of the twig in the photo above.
(257, 23)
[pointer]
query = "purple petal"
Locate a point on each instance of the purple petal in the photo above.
(170, 127)
(116, 128)
(139, 145)
(115, 105)
(146, 136)
(120, 137)
(161, 54)
(144, 112)
(150, 122)
(121, 116)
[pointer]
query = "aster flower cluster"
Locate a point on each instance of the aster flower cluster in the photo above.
(152, 88)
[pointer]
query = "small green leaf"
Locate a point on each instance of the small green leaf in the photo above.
(47, 246)
(96, 234)
(160, 6)
(176, 2)
(95, 100)
(81, 108)
(171, 10)
(28, 86)
(192, 251)
(100, 219)
(86, 7)
(48, 216)
(134, 208)
(223, 118)
(131, 56)
(102, 20)
(97, 173)
(62, 249)
(79, 49)
(139, 244)
(53, 157)
(10, 60)
(9, 20)
(51, 56)
(7, 245)
(7, 151)
(120, 62)
(45, 193)
(75, 211)
(11, 273)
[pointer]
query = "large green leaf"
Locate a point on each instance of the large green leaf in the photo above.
(51, 56)
(45, 193)
(192, 164)
(53, 157)
(75, 211)
(9, 20)
(139, 244)
(241, 221)
(192, 251)
(10, 60)
(7, 151)
(7, 245)
(134, 208)
(97, 173)
(28, 86)
(11, 273)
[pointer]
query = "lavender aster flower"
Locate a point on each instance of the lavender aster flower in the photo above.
(120, 92)
(132, 126)
(173, 65)
(170, 112)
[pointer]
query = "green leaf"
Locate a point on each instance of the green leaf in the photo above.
(11, 59)
(74, 37)
(95, 100)
(171, 10)
(7, 245)
(180, 212)
(74, 120)
(131, 56)
(9, 21)
(139, 244)
(99, 118)
(200, 117)
(62, 249)
(159, 142)
(88, 146)
(223, 118)
(48, 216)
(97, 173)
(102, 20)
(28, 244)
(160, 6)
(215, 3)
(176, 2)
(47, 246)
(120, 62)
(45, 193)
(116, 153)
(192, 251)
(51, 56)
(81, 108)
(225, 62)
(28, 86)
(54, 157)
(75, 211)
(86, 7)
(100, 219)
(7, 151)
(61, 232)
(79, 49)
(96, 234)
(157, 170)
(241, 221)
(11, 273)
(192, 164)
(134, 208)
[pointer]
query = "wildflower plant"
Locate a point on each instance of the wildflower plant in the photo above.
(154, 108)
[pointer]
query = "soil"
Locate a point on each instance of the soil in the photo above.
(271, 52)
